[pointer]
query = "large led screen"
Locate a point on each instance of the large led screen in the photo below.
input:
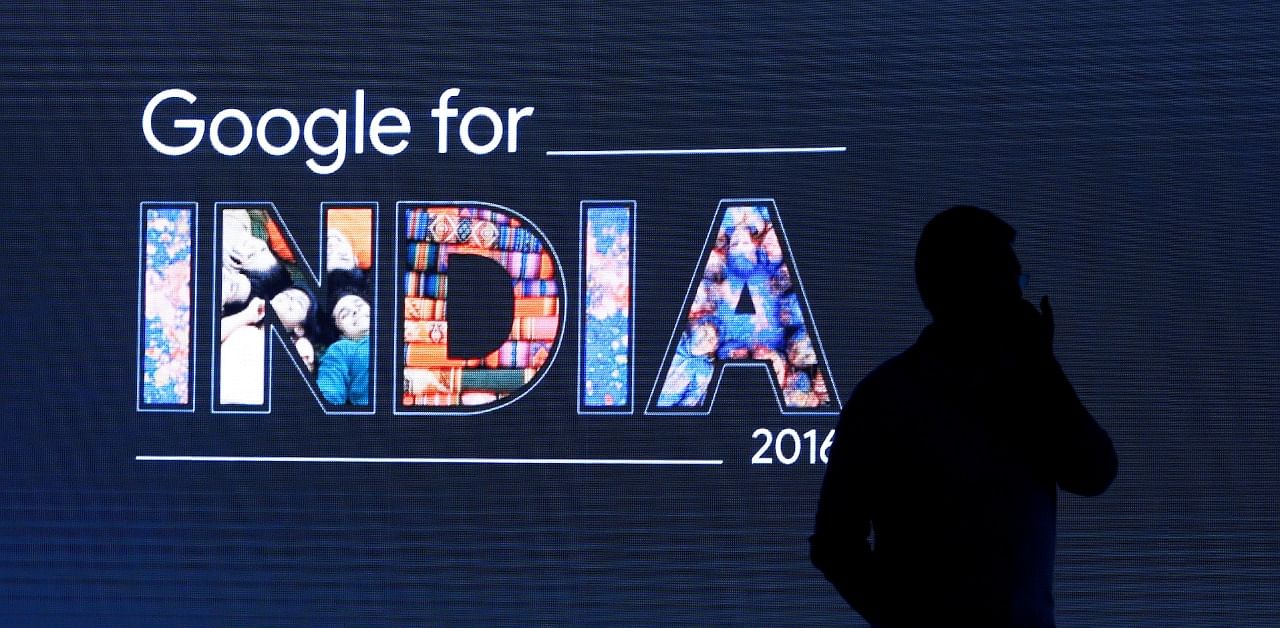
(545, 314)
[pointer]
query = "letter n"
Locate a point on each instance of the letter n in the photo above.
(325, 323)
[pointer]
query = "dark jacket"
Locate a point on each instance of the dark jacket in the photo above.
(954, 463)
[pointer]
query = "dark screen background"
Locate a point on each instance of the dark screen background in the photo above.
(1133, 146)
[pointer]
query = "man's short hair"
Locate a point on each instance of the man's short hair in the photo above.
(958, 245)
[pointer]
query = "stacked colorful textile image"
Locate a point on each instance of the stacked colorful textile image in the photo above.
(431, 234)
(746, 309)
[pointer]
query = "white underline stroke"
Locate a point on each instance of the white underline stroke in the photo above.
(695, 151)
(339, 459)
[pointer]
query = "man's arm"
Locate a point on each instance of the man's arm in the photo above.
(1081, 456)
(333, 378)
(840, 546)
(250, 315)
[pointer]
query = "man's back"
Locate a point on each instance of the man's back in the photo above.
(952, 454)
(963, 526)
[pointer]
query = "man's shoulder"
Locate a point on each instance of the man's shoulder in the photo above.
(896, 372)
(882, 395)
(352, 344)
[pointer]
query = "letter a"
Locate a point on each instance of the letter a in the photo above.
(746, 307)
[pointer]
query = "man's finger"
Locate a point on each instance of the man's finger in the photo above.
(1046, 313)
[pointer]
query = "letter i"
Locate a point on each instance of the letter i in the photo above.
(166, 290)
(606, 307)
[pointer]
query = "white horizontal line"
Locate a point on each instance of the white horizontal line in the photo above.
(616, 461)
(695, 151)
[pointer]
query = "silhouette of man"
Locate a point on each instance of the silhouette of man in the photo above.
(939, 503)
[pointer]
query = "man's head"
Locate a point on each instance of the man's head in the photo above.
(293, 306)
(966, 269)
(246, 253)
(351, 315)
(339, 254)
